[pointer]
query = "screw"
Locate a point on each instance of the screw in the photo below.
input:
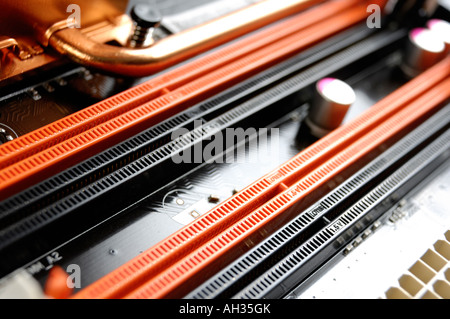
(146, 20)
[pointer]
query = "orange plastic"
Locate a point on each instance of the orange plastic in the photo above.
(110, 108)
(143, 269)
(56, 285)
(177, 280)
(54, 159)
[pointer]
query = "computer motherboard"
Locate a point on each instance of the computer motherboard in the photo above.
(255, 149)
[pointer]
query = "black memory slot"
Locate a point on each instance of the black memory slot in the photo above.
(313, 220)
(88, 206)
(287, 274)
(87, 172)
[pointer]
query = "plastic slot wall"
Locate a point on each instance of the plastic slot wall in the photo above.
(23, 166)
(170, 282)
(174, 248)
(236, 273)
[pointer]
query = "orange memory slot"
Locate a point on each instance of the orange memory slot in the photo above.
(85, 119)
(179, 245)
(179, 278)
(55, 159)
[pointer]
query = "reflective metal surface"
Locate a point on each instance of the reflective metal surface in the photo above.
(175, 48)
